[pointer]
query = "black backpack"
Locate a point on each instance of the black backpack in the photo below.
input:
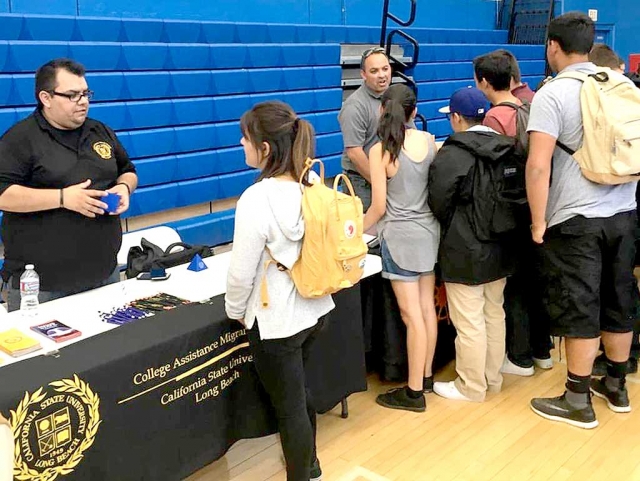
(496, 194)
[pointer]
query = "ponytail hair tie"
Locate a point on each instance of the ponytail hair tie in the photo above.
(296, 124)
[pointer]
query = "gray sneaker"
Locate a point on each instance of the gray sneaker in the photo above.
(559, 409)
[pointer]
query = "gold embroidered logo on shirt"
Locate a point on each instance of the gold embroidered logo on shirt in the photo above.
(103, 150)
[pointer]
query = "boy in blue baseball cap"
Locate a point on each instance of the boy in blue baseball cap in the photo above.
(474, 256)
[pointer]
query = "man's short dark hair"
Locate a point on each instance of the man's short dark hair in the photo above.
(372, 51)
(473, 121)
(603, 56)
(46, 74)
(496, 68)
(574, 32)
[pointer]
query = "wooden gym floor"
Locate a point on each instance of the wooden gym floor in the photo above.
(500, 439)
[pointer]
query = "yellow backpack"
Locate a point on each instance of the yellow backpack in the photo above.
(610, 152)
(333, 250)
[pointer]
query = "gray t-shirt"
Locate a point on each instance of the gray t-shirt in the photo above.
(359, 122)
(556, 111)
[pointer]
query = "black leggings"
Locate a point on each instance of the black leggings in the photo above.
(280, 365)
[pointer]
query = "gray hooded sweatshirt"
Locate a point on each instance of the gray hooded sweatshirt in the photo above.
(269, 215)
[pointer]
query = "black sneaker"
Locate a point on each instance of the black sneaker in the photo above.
(427, 385)
(316, 472)
(600, 366)
(559, 409)
(399, 399)
(618, 400)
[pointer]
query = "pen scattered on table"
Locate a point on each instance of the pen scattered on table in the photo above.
(142, 308)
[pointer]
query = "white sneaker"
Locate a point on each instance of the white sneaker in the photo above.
(449, 390)
(510, 368)
(543, 363)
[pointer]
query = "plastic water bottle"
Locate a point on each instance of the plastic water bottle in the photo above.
(29, 290)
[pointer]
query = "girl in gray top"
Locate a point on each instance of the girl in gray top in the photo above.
(409, 235)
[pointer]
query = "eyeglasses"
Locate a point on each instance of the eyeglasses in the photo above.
(369, 52)
(74, 96)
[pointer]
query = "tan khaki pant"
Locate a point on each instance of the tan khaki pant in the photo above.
(477, 313)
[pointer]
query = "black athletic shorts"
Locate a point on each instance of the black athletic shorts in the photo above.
(587, 274)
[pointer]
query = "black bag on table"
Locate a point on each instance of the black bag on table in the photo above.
(142, 258)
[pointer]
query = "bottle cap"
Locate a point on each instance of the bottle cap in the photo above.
(29, 267)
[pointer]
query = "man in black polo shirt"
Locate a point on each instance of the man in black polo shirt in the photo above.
(55, 167)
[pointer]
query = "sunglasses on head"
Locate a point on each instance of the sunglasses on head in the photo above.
(369, 52)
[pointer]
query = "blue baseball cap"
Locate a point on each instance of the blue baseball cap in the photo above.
(468, 101)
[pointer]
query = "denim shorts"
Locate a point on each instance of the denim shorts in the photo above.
(393, 272)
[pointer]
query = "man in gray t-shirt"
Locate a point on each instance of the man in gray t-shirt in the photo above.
(359, 120)
(586, 236)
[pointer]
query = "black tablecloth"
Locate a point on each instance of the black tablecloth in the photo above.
(164, 396)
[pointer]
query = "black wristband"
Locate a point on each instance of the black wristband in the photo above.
(61, 198)
(126, 185)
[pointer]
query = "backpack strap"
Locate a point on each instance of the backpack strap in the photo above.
(573, 74)
(565, 148)
(264, 290)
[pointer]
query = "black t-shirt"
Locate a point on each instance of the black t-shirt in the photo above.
(69, 251)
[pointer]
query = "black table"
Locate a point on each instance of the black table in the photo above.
(162, 397)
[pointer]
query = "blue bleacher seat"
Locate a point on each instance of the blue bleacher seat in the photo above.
(329, 144)
(232, 185)
(266, 80)
(425, 72)
(147, 85)
(309, 33)
(365, 35)
(142, 30)
(47, 28)
(296, 55)
(193, 111)
(232, 107)
(150, 143)
(153, 199)
(430, 109)
(532, 67)
(115, 115)
(96, 55)
(334, 34)
(148, 114)
(252, 33)
(440, 127)
(300, 101)
(298, 79)
(325, 54)
(282, 33)
(7, 119)
(327, 77)
(99, 29)
(196, 137)
(326, 122)
(23, 92)
(193, 192)
(227, 82)
(329, 99)
(23, 113)
(157, 170)
(197, 164)
(228, 56)
(209, 229)
(264, 55)
(181, 31)
(6, 96)
(107, 85)
(332, 165)
(11, 27)
(188, 57)
(230, 160)
(219, 32)
(228, 134)
(144, 56)
(192, 84)
(29, 56)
